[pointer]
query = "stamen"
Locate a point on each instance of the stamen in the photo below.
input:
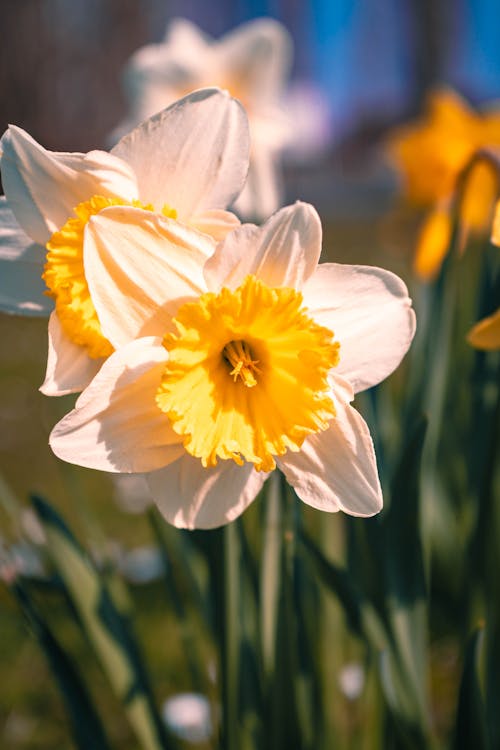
(239, 356)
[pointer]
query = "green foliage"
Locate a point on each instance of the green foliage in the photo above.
(86, 726)
(105, 622)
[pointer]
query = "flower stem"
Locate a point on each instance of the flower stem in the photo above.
(230, 641)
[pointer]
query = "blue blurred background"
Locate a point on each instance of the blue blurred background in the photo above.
(372, 60)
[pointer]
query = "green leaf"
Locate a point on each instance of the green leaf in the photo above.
(361, 616)
(270, 578)
(107, 627)
(85, 723)
(404, 665)
(470, 727)
(176, 584)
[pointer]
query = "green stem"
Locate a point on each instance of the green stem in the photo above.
(230, 645)
(271, 575)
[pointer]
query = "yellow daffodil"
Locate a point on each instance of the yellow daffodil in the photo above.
(188, 162)
(486, 334)
(431, 155)
(256, 369)
(252, 62)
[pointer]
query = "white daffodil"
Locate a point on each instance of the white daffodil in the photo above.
(252, 62)
(255, 370)
(187, 162)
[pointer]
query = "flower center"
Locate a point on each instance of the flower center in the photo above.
(247, 375)
(238, 355)
(64, 275)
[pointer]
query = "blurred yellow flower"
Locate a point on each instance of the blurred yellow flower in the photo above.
(431, 154)
(486, 334)
(495, 233)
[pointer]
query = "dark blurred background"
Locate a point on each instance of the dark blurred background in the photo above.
(372, 60)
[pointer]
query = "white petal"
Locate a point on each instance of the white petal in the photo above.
(283, 252)
(192, 497)
(157, 75)
(179, 60)
(191, 156)
(336, 469)
(263, 192)
(257, 56)
(369, 311)
(69, 367)
(21, 262)
(215, 222)
(43, 186)
(185, 37)
(116, 424)
(139, 268)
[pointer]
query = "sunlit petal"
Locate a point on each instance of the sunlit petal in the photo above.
(370, 314)
(43, 186)
(116, 425)
(193, 155)
(193, 497)
(336, 469)
(69, 368)
(215, 222)
(283, 252)
(139, 267)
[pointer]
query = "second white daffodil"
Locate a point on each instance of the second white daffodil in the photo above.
(188, 162)
(252, 366)
(252, 62)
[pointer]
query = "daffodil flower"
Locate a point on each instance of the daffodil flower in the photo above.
(256, 370)
(431, 155)
(187, 162)
(485, 335)
(252, 62)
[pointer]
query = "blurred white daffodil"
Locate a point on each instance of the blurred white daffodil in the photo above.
(255, 370)
(252, 62)
(187, 162)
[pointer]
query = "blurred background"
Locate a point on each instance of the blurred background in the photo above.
(367, 66)
(371, 61)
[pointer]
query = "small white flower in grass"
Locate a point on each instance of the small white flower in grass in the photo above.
(188, 716)
(185, 164)
(252, 62)
(142, 564)
(352, 680)
(255, 371)
(131, 494)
